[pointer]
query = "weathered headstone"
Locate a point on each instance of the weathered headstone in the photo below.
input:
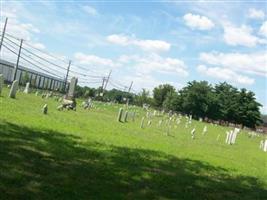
(45, 109)
(265, 146)
(204, 130)
(14, 88)
(133, 116)
(1, 83)
(193, 133)
(125, 116)
(120, 115)
(142, 122)
(73, 83)
(27, 88)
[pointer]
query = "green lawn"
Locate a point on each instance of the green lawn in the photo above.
(88, 155)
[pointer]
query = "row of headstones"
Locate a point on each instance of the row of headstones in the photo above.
(15, 84)
(231, 136)
(124, 116)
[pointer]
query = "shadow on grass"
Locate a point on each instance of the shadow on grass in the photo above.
(37, 164)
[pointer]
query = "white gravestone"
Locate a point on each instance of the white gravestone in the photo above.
(14, 88)
(27, 88)
(204, 130)
(265, 146)
(193, 133)
(45, 109)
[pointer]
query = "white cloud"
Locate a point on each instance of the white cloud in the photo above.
(240, 36)
(93, 60)
(147, 81)
(14, 27)
(263, 29)
(90, 10)
(146, 45)
(198, 22)
(255, 14)
(225, 74)
(155, 63)
(253, 63)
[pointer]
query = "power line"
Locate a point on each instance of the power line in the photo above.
(74, 72)
(57, 58)
(50, 73)
(34, 59)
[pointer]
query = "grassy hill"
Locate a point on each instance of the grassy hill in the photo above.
(87, 154)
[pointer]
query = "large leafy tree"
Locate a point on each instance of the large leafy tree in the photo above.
(143, 98)
(227, 96)
(196, 98)
(160, 94)
(248, 111)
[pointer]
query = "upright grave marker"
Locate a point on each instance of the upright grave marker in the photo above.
(142, 122)
(73, 83)
(120, 115)
(125, 116)
(1, 83)
(45, 109)
(27, 88)
(14, 88)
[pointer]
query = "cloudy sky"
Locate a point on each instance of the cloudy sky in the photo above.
(150, 43)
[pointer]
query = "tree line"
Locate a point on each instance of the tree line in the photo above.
(222, 102)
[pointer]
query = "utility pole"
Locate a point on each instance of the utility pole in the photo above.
(130, 87)
(66, 79)
(107, 79)
(17, 64)
(127, 100)
(3, 34)
(102, 87)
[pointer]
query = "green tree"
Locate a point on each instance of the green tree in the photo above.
(160, 94)
(196, 98)
(143, 98)
(248, 110)
(227, 96)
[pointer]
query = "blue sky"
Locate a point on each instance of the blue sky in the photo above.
(151, 43)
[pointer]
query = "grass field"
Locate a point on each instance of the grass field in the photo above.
(88, 155)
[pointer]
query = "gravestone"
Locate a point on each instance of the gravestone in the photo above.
(45, 109)
(265, 146)
(204, 130)
(73, 83)
(14, 88)
(1, 83)
(133, 116)
(27, 88)
(120, 115)
(142, 122)
(193, 133)
(125, 116)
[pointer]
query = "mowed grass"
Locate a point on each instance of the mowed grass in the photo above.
(87, 154)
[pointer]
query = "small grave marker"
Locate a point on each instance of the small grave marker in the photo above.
(14, 88)
(27, 88)
(120, 115)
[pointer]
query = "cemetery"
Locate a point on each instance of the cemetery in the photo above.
(116, 151)
(133, 100)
